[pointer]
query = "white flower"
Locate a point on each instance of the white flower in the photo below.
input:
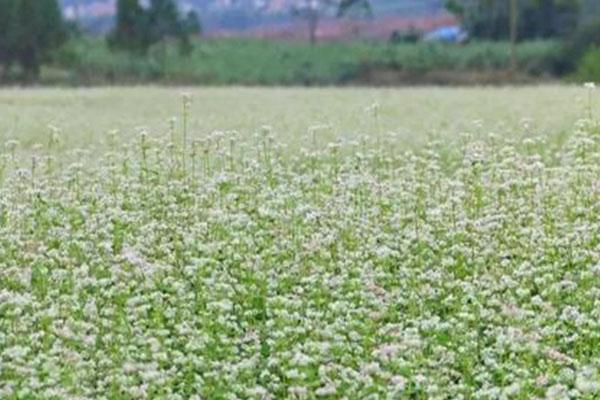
(328, 390)
(300, 359)
(298, 391)
(557, 392)
(399, 382)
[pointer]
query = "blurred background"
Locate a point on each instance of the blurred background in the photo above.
(298, 42)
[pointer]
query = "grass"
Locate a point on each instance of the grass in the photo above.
(414, 115)
(300, 261)
(255, 62)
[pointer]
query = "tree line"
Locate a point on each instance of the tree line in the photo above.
(536, 19)
(577, 22)
(137, 28)
(32, 30)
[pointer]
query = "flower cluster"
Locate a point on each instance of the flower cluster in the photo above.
(217, 268)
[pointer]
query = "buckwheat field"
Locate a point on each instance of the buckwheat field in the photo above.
(300, 244)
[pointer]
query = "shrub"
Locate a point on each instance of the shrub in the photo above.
(410, 36)
(585, 37)
(588, 69)
(288, 63)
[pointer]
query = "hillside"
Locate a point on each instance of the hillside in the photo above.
(248, 17)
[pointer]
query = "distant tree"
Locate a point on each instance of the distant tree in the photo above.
(586, 38)
(6, 27)
(30, 31)
(589, 11)
(354, 9)
(190, 27)
(516, 19)
(137, 28)
(131, 27)
(163, 19)
(191, 23)
(491, 19)
(313, 10)
(362, 7)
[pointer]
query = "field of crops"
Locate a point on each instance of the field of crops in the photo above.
(286, 243)
(217, 62)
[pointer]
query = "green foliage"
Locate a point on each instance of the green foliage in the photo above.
(137, 29)
(410, 36)
(291, 63)
(588, 69)
(30, 30)
(163, 20)
(586, 37)
(129, 32)
(360, 7)
(439, 113)
(489, 19)
(456, 7)
(349, 269)
(190, 26)
(5, 26)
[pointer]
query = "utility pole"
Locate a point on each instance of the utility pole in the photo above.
(513, 36)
